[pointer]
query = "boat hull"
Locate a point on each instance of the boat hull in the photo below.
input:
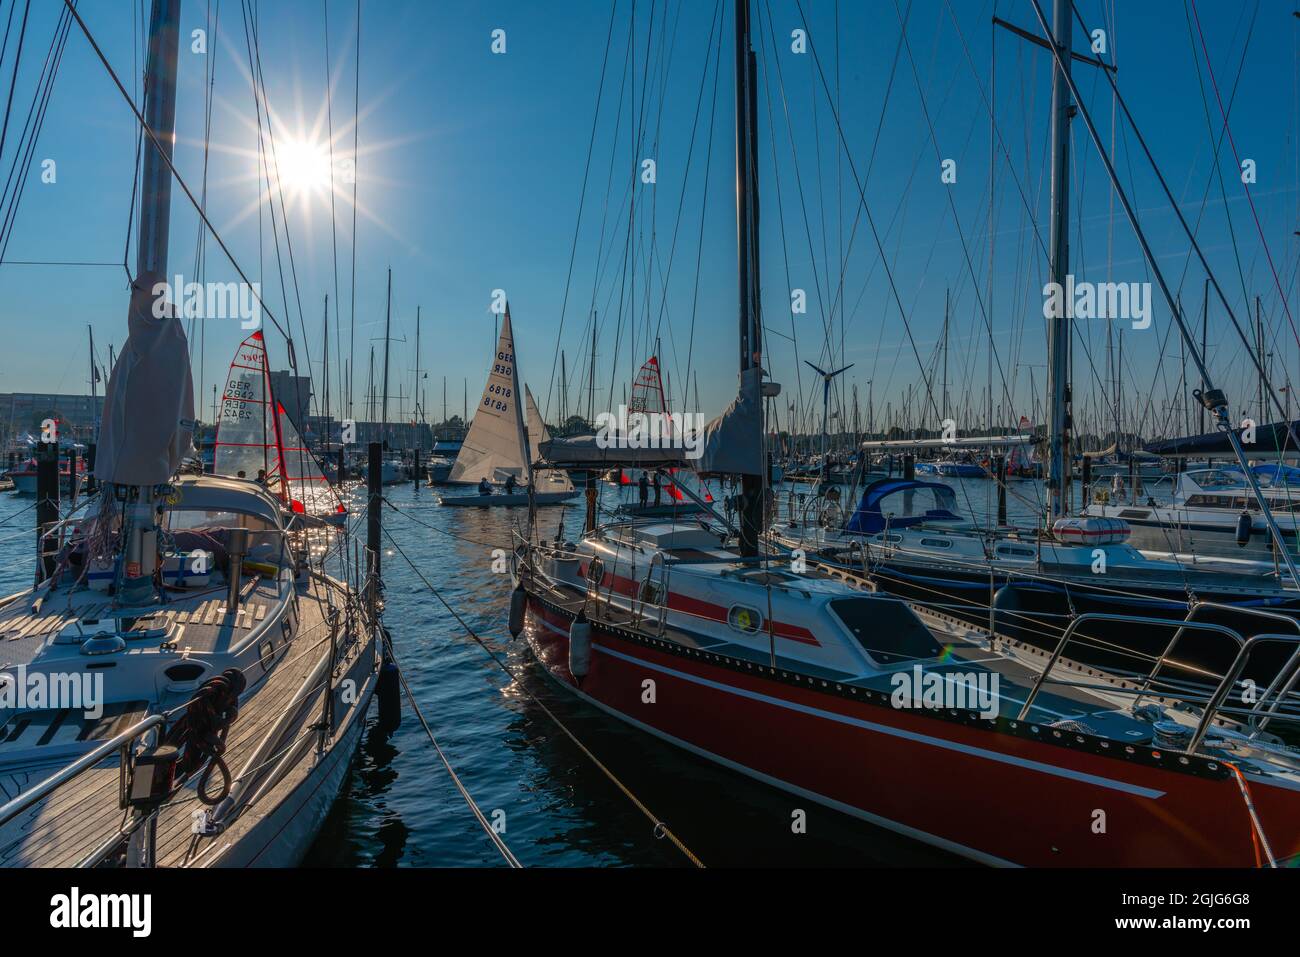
(499, 501)
(958, 785)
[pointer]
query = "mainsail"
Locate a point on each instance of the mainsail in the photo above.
(496, 445)
(648, 389)
(556, 481)
(246, 428)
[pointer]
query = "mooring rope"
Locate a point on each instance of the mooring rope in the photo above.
(455, 778)
(660, 828)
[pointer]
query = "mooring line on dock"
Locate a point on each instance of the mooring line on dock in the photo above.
(660, 828)
(455, 778)
(406, 512)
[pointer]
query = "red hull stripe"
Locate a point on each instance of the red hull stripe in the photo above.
(886, 729)
(704, 609)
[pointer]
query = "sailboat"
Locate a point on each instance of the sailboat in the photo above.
(857, 700)
(497, 448)
(257, 440)
(240, 672)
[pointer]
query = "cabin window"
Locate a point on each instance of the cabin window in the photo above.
(744, 619)
(652, 593)
(886, 629)
(595, 571)
(936, 543)
(1016, 551)
(894, 539)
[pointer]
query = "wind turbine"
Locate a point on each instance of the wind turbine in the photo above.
(826, 401)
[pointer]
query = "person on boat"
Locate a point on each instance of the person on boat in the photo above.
(241, 474)
(510, 485)
(484, 487)
(261, 477)
(643, 489)
(657, 491)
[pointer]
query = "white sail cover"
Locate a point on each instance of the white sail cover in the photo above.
(148, 422)
(496, 445)
(553, 481)
(246, 441)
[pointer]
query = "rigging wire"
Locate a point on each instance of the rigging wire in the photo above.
(162, 152)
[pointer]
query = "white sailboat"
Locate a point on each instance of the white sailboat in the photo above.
(240, 671)
(497, 448)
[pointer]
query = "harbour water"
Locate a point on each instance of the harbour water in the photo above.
(399, 807)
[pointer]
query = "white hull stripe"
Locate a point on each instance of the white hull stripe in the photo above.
(886, 729)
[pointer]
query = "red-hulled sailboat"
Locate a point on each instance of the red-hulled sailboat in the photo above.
(877, 708)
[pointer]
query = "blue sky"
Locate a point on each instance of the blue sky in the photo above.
(471, 168)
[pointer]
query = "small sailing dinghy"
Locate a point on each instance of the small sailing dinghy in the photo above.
(257, 441)
(498, 445)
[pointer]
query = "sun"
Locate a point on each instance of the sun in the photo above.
(302, 166)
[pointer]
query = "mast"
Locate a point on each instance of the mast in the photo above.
(1205, 328)
(591, 382)
(945, 353)
(94, 377)
(140, 547)
(1058, 328)
(325, 364)
(751, 345)
(418, 416)
(388, 321)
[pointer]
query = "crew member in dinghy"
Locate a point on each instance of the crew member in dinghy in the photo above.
(484, 488)
(510, 485)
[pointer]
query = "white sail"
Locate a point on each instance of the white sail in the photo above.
(246, 430)
(496, 445)
(546, 481)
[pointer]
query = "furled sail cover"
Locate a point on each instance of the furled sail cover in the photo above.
(496, 445)
(246, 429)
(538, 433)
(732, 443)
(148, 422)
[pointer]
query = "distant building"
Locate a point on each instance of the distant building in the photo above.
(21, 413)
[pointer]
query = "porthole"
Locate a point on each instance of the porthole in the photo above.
(744, 619)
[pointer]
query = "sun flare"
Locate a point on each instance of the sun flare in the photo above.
(303, 166)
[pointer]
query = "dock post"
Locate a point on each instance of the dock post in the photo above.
(909, 466)
(342, 466)
(1002, 490)
(47, 507)
(90, 469)
(1086, 482)
(415, 472)
(375, 502)
(72, 478)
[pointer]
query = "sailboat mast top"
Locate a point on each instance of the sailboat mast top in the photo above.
(747, 192)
